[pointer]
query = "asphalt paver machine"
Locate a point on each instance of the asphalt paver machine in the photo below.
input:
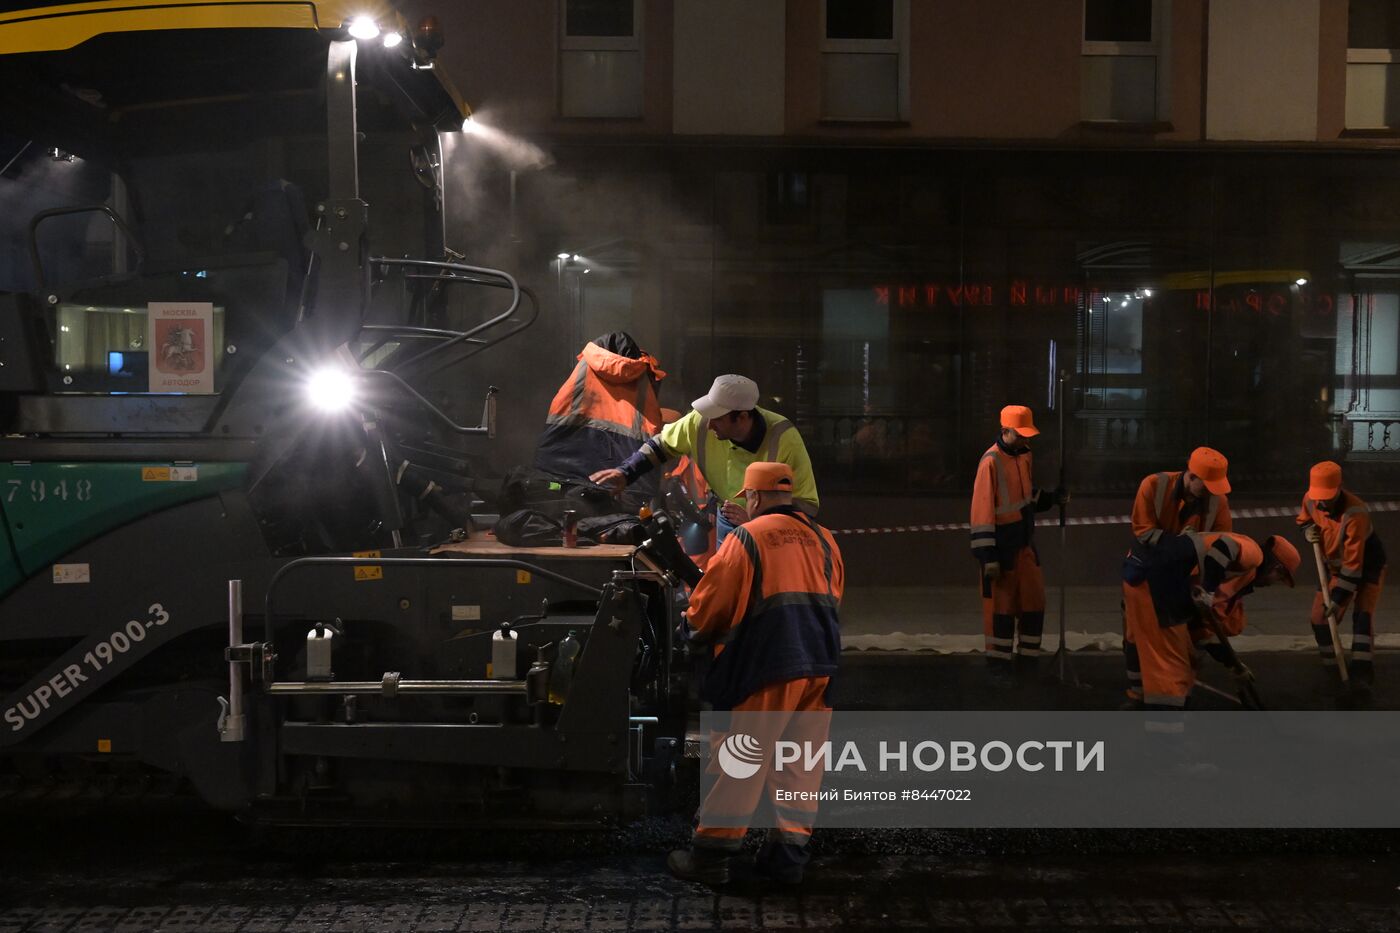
(239, 441)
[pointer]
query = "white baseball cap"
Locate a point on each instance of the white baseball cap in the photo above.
(730, 392)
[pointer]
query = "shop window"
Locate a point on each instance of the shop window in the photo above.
(1122, 67)
(1373, 64)
(1366, 403)
(600, 58)
(865, 60)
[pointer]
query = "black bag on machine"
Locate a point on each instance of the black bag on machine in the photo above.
(529, 528)
(526, 488)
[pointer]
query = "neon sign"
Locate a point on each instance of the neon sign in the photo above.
(1022, 294)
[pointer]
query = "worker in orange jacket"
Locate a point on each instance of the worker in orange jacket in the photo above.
(1341, 523)
(1004, 503)
(1194, 499)
(1176, 593)
(769, 602)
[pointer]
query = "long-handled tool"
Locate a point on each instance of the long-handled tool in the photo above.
(1244, 677)
(1323, 578)
(1063, 671)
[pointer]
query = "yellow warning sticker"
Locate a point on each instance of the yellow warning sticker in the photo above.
(104, 746)
(155, 474)
(522, 576)
(368, 572)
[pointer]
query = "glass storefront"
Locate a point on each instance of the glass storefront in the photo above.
(891, 301)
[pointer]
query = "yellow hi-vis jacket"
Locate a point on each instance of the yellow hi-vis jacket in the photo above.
(722, 463)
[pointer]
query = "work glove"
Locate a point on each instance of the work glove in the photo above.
(1204, 600)
(1313, 534)
(991, 570)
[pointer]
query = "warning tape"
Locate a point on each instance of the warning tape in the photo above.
(1273, 512)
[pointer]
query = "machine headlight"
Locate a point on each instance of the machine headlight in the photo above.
(363, 27)
(331, 389)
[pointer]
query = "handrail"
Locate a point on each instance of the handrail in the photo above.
(458, 267)
(76, 209)
(456, 563)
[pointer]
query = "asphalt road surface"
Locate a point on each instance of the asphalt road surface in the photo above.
(171, 866)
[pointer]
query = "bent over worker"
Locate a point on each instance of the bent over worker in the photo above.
(770, 600)
(1341, 523)
(724, 433)
(1169, 503)
(1004, 504)
(1178, 592)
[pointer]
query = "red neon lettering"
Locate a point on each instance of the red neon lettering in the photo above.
(1045, 295)
(1071, 294)
(882, 294)
(1276, 304)
(931, 295)
(955, 295)
(987, 295)
(1254, 301)
(1323, 304)
(1203, 300)
(1018, 293)
(908, 295)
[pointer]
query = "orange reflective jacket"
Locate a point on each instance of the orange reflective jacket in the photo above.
(1350, 544)
(1004, 504)
(1160, 508)
(607, 407)
(770, 598)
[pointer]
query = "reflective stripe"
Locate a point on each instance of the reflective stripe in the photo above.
(1163, 480)
(1028, 651)
(775, 433)
(1361, 641)
(984, 529)
(639, 423)
(1000, 642)
(580, 383)
(1212, 512)
(751, 549)
(827, 567)
(636, 432)
(1341, 584)
(654, 450)
(1135, 677)
(1351, 570)
(702, 440)
(1151, 537)
(817, 600)
(1162, 699)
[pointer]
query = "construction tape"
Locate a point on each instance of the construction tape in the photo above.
(1273, 512)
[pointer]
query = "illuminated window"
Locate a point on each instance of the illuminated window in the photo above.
(1373, 64)
(600, 58)
(865, 60)
(1122, 66)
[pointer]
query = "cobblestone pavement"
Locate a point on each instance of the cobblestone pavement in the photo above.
(201, 882)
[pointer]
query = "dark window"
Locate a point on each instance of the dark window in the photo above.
(860, 19)
(1373, 24)
(789, 198)
(598, 18)
(1117, 20)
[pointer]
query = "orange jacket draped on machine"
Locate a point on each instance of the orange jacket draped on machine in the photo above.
(605, 409)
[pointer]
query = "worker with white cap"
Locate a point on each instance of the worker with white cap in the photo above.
(724, 433)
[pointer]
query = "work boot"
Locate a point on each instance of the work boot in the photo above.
(780, 861)
(704, 866)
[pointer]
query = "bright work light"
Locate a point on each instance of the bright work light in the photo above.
(362, 27)
(331, 389)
